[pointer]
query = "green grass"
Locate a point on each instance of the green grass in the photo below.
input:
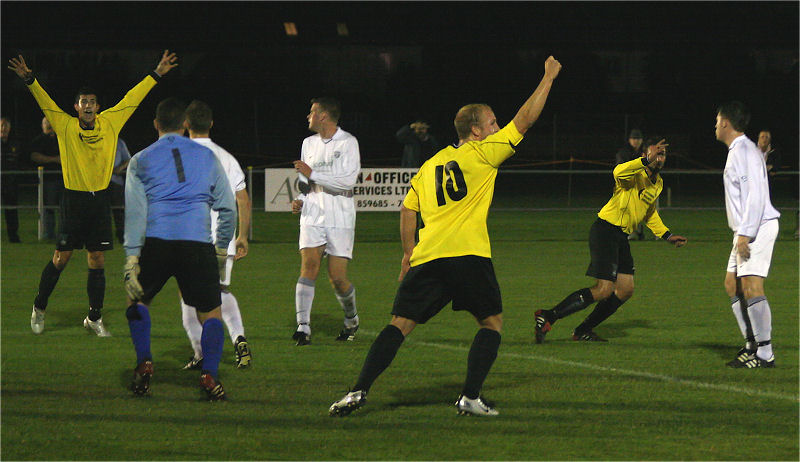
(658, 390)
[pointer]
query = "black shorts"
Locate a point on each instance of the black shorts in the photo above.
(610, 251)
(468, 281)
(85, 221)
(194, 265)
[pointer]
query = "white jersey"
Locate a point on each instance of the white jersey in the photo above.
(335, 164)
(235, 178)
(746, 189)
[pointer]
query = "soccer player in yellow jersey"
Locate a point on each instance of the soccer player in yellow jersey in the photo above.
(452, 192)
(87, 146)
(637, 186)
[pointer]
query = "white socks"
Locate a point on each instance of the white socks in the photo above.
(348, 302)
(303, 298)
(761, 319)
(193, 328)
(738, 308)
(231, 316)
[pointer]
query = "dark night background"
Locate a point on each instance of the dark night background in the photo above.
(663, 67)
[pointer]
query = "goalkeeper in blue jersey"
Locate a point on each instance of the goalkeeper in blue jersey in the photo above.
(170, 189)
(637, 185)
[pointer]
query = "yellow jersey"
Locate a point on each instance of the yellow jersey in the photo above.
(452, 191)
(634, 199)
(87, 156)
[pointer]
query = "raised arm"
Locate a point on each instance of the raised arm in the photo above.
(530, 111)
(57, 117)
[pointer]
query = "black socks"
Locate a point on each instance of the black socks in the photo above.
(47, 283)
(602, 311)
(481, 357)
(574, 302)
(96, 288)
(380, 355)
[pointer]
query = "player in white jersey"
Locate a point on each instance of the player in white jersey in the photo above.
(754, 222)
(329, 165)
(199, 120)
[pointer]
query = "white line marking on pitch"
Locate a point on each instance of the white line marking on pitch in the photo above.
(648, 375)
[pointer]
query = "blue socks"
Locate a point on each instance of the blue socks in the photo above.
(139, 323)
(211, 341)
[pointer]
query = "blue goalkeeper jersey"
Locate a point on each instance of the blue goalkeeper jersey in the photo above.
(170, 188)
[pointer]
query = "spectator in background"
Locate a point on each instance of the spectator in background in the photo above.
(121, 159)
(9, 155)
(633, 149)
(44, 153)
(772, 156)
(418, 143)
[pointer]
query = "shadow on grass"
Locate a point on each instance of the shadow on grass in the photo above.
(431, 393)
(723, 351)
(563, 334)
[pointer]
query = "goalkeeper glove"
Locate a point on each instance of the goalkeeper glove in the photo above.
(132, 286)
(222, 260)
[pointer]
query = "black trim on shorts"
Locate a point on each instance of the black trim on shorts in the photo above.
(468, 281)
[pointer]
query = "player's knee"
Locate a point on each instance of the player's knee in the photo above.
(602, 290)
(494, 323)
(624, 293)
(96, 260)
(340, 284)
(225, 289)
(60, 259)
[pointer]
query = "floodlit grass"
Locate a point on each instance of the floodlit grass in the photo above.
(658, 390)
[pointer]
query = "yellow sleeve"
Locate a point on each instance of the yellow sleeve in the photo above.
(625, 173)
(57, 118)
(122, 111)
(411, 201)
(654, 222)
(498, 147)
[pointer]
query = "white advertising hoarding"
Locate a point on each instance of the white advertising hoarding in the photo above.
(377, 189)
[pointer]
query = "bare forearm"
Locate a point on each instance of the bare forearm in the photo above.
(243, 205)
(408, 227)
(530, 111)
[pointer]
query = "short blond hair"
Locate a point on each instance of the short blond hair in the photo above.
(468, 117)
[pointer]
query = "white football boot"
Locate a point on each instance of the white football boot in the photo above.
(475, 406)
(37, 320)
(96, 326)
(349, 403)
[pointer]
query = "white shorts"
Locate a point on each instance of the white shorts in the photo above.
(760, 252)
(337, 241)
(228, 271)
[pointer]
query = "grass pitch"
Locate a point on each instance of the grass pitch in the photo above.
(658, 390)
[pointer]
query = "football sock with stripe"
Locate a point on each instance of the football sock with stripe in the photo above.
(232, 316)
(212, 340)
(348, 303)
(380, 355)
(304, 297)
(761, 319)
(139, 324)
(574, 302)
(603, 310)
(47, 282)
(739, 309)
(96, 289)
(193, 328)
(481, 356)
